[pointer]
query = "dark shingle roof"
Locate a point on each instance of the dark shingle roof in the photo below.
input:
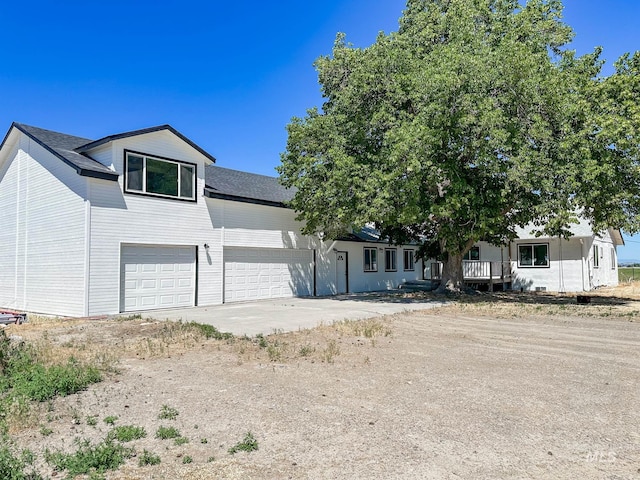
(240, 186)
(63, 146)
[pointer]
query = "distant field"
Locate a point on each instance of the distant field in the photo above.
(626, 274)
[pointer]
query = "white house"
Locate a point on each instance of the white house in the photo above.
(144, 220)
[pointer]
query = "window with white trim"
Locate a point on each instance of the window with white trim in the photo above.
(596, 256)
(409, 260)
(370, 259)
(159, 177)
(472, 254)
(390, 260)
(533, 255)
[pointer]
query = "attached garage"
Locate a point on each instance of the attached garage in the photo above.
(262, 273)
(157, 276)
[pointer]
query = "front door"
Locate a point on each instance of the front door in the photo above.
(342, 272)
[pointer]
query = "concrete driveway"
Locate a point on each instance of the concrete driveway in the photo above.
(291, 314)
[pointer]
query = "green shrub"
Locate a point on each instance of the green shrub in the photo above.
(168, 413)
(148, 458)
(13, 465)
(166, 433)
(181, 440)
(127, 433)
(248, 444)
(187, 459)
(110, 420)
(106, 455)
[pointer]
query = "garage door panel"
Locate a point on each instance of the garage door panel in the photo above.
(157, 277)
(261, 273)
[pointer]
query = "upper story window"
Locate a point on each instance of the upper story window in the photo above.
(472, 254)
(536, 255)
(159, 177)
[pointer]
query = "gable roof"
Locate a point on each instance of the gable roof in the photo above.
(89, 145)
(64, 147)
(228, 184)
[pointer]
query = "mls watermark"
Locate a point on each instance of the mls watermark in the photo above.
(600, 456)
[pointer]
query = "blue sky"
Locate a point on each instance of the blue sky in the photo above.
(228, 75)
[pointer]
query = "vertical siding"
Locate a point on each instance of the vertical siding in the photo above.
(118, 218)
(45, 198)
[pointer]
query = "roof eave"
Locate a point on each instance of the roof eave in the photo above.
(143, 131)
(81, 171)
(235, 198)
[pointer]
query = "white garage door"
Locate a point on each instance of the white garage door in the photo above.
(259, 273)
(157, 277)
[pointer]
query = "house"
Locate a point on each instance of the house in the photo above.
(587, 260)
(145, 220)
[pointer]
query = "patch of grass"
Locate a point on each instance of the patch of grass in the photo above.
(110, 420)
(262, 342)
(248, 444)
(127, 433)
(275, 351)
(187, 459)
(90, 459)
(45, 431)
(14, 465)
(211, 459)
(330, 352)
(306, 350)
(204, 441)
(24, 374)
(168, 413)
(209, 331)
(181, 440)
(167, 433)
(148, 458)
(92, 420)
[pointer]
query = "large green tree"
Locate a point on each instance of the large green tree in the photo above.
(472, 119)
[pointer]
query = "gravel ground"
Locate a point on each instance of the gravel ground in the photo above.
(473, 392)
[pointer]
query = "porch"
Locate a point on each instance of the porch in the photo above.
(478, 273)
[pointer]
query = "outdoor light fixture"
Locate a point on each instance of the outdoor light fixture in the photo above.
(206, 246)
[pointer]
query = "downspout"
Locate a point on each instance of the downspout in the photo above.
(583, 262)
(87, 246)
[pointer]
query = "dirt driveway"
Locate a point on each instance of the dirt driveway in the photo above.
(483, 391)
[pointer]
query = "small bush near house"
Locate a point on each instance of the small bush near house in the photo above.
(209, 331)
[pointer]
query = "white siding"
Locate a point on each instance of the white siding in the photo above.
(359, 280)
(566, 271)
(42, 223)
(118, 218)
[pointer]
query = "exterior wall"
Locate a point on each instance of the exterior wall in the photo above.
(117, 218)
(359, 280)
(566, 271)
(42, 231)
(606, 273)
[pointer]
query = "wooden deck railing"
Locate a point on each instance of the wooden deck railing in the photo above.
(477, 271)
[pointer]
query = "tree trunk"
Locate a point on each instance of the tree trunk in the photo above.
(452, 275)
